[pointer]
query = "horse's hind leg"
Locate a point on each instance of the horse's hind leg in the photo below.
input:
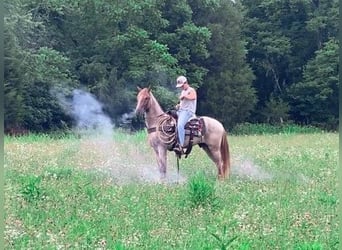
(215, 156)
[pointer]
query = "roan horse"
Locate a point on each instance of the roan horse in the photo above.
(161, 129)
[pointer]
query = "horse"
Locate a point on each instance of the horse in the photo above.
(161, 128)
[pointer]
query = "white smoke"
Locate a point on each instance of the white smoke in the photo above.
(246, 168)
(99, 150)
(126, 119)
(87, 113)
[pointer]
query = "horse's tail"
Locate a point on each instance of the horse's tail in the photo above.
(225, 155)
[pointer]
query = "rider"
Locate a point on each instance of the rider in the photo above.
(185, 109)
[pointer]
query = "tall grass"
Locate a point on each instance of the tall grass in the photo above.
(201, 190)
(266, 129)
(90, 193)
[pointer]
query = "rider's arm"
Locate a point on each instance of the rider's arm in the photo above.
(190, 95)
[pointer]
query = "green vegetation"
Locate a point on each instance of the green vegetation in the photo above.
(257, 61)
(266, 129)
(77, 193)
(201, 190)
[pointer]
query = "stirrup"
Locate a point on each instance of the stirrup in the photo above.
(178, 149)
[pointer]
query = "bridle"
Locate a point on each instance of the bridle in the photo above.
(145, 104)
(166, 124)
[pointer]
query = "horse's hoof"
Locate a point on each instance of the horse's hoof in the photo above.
(162, 177)
(221, 177)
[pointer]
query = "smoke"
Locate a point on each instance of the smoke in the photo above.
(126, 119)
(98, 148)
(87, 113)
(246, 168)
(125, 163)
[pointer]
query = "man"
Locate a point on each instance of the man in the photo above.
(186, 109)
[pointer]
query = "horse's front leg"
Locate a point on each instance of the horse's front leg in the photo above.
(161, 154)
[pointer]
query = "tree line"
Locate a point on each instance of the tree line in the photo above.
(257, 61)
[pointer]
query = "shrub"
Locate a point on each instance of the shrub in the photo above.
(201, 190)
(31, 189)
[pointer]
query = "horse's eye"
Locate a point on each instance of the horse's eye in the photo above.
(146, 99)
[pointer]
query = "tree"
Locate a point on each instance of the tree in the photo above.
(276, 111)
(235, 53)
(315, 99)
(31, 71)
(282, 37)
(270, 27)
(226, 93)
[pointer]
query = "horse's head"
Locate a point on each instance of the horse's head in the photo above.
(143, 100)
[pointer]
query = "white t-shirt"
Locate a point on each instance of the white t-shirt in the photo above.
(187, 104)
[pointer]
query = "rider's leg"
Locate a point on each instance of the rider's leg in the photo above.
(183, 117)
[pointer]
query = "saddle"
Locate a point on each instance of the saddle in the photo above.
(194, 128)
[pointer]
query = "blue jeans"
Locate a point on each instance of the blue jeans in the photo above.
(183, 117)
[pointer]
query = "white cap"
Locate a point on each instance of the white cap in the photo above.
(180, 81)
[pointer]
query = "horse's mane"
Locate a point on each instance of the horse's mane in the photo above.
(155, 101)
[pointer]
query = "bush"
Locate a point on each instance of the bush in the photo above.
(31, 189)
(201, 190)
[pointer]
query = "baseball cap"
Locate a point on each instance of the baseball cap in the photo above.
(180, 81)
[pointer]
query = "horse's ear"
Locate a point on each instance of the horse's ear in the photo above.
(139, 88)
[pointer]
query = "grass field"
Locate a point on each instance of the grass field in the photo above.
(71, 193)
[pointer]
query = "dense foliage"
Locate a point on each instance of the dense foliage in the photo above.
(251, 60)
